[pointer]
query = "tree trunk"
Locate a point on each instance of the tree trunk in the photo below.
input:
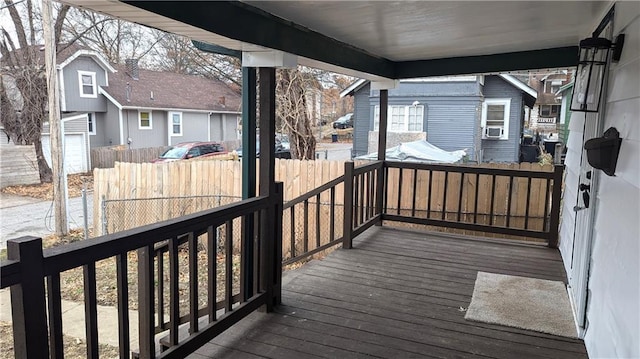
(293, 113)
(55, 128)
(43, 167)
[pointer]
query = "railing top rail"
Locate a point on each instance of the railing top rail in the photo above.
(76, 254)
(10, 271)
(170, 198)
(314, 192)
(368, 167)
(471, 169)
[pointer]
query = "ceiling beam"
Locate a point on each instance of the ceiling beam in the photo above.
(242, 22)
(215, 49)
(512, 61)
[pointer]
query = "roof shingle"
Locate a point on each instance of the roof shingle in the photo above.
(156, 89)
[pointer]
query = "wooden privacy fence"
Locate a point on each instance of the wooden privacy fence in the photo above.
(136, 194)
(106, 157)
(503, 199)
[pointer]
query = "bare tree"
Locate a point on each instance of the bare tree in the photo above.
(176, 53)
(115, 39)
(292, 111)
(23, 87)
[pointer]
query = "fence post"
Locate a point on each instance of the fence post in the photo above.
(555, 206)
(103, 206)
(84, 210)
(347, 232)
(28, 303)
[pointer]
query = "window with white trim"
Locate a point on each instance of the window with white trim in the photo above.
(401, 118)
(495, 119)
(175, 123)
(549, 110)
(87, 84)
(91, 123)
(144, 120)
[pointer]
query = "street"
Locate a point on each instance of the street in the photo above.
(23, 216)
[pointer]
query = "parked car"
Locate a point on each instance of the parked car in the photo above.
(282, 150)
(187, 150)
(343, 122)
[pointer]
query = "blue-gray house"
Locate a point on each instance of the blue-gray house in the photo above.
(482, 114)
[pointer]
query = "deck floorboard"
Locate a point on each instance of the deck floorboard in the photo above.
(396, 294)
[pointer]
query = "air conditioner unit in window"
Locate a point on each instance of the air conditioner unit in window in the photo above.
(493, 132)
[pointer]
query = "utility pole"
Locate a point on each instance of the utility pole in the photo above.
(55, 130)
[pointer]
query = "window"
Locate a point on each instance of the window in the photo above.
(552, 86)
(91, 124)
(144, 120)
(175, 123)
(495, 119)
(87, 84)
(401, 118)
(549, 110)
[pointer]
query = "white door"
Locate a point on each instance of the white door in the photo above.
(75, 153)
(584, 207)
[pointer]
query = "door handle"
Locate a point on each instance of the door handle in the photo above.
(578, 208)
(584, 187)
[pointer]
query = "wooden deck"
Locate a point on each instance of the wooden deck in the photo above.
(396, 294)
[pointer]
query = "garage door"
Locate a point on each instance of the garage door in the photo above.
(75, 152)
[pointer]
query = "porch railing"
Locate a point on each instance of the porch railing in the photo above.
(240, 278)
(37, 308)
(493, 200)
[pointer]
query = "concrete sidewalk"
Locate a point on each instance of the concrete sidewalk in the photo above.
(73, 320)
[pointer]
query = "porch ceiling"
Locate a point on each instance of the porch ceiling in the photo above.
(373, 39)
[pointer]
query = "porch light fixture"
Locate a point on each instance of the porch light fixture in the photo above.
(593, 60)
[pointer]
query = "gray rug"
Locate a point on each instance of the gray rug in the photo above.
(526, 303)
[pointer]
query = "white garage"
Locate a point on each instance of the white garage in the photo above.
(76, 146)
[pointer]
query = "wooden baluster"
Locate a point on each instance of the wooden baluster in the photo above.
(91, 310)
(55, 316)
(193, 283)
(122, 283)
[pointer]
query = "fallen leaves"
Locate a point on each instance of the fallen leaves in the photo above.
(44, 191)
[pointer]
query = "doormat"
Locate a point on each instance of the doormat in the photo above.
(520, 302)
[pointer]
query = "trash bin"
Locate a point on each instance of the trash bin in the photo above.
(334, 137)
(550, 147)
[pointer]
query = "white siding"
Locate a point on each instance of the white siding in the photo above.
(613, 312)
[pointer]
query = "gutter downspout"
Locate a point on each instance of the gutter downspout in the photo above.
(209, 126)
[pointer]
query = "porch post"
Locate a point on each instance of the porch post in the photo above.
(277, 245)
(267, 130)
(267, 181)
(347, 231)
(382, 128)
(248, 132)
(248, 175)
(554, 223)
(28, 303)
(382, 151)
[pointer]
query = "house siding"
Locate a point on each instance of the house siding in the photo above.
(72, 98)
(363, 120)
(613, 309)
(453, 125)
(230, 127)
(194, 127)
(215, 129)
(156, 136)
(450, 112)
(108, 127)
(504, 150)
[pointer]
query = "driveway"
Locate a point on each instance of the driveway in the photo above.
(24, 216)
(339, 151)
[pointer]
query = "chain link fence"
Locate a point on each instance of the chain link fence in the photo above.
(122, 214)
